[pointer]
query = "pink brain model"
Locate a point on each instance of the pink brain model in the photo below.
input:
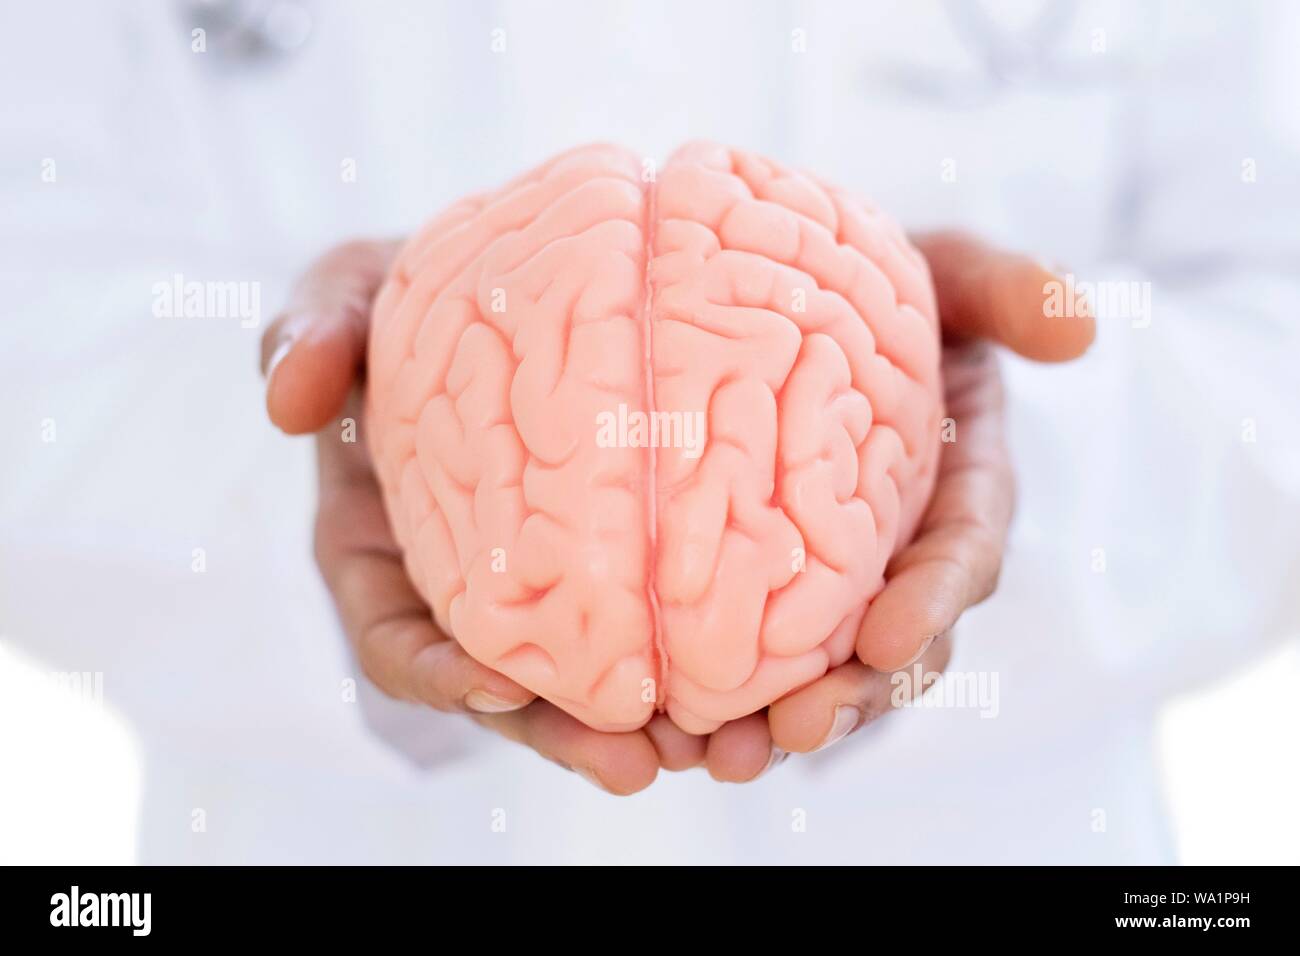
(648, 441)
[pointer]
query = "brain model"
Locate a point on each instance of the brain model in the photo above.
(648, 440)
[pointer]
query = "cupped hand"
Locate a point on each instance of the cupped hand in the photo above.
(986, 297)
(313, 357)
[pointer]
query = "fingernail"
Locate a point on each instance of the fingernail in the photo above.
(277, 356)
(485, 703)
(777, 758)
(925, 646)
(591, 778)
(846, 718)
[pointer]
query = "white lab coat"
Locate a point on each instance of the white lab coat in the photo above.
(1155, 545)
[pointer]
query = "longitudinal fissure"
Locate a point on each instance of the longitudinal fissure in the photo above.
(487, 398)
(652, 486)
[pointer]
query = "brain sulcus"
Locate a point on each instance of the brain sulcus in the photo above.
(648, 438)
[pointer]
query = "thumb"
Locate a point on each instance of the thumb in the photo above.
(987, 293)
(312, 353)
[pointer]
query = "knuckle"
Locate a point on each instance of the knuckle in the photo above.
(366, 647)
(353, 256)
(436, 684)
(987, 586)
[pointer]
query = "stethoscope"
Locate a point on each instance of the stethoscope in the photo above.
(240, 33)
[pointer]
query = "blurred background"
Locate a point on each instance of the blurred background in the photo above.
(173, 685)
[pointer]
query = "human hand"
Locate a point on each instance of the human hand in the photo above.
(985, 297)
(313, 357)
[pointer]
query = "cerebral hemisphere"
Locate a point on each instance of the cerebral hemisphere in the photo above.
(649, 438)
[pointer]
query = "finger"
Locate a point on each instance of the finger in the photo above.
(677, 749)
(986, 293)
(846, 698)
(399, 646)
(621, 763)
(956, 558)
(343, 464)
(312, 352)
(397, 643)
(741, 750)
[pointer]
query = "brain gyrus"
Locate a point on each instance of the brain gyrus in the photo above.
(648, 441)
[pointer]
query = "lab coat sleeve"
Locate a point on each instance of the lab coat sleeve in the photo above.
(423, 737)
(1218, 449)
(1213, 428)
